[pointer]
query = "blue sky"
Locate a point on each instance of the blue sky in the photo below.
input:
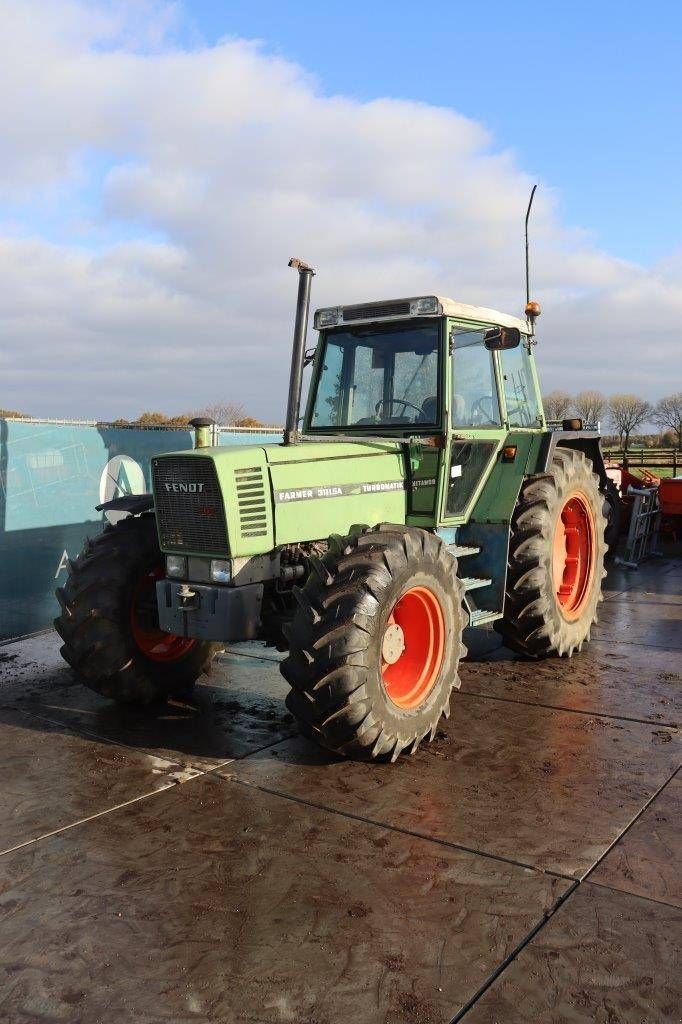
(588, 95)
(162, 160)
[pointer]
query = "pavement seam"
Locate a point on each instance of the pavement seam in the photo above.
(254, 657)
(80, 733)
(92, 817)
(585, 880)
(633, 820)
(636, 643)
(560, 707)
(26, 636)
(74, 731)
(397, 828)
(628, 892)
(509, 959)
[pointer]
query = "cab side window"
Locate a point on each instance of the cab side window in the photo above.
(519, 393)
(474, 391)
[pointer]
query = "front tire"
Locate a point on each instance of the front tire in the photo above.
(556, 560)
(375, 643)
(109, 620)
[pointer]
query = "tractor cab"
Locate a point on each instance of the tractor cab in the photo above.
(456, 381)
(421, 366)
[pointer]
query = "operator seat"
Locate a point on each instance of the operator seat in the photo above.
(429, 411)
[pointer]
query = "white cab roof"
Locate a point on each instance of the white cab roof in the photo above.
(481, 314)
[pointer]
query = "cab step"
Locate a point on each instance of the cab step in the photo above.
(474, 582)
(481, 617)
(461, 550)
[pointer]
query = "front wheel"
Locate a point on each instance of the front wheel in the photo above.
(375, 643)
(556, 559)
(109, 620)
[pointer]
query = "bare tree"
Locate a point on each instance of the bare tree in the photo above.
(590, 406)
(627, 413)
(11, 414)
(668, 414)
(249, 421)
(556, 404)
(159, 419)
(225, 414)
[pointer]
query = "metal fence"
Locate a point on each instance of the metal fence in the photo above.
(52, 475)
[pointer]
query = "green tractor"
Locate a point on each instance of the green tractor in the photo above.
(423, 494)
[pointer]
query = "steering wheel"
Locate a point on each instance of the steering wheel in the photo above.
(477, 407)
(396, 401)
(518, 412)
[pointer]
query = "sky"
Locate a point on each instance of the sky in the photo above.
(162, 161)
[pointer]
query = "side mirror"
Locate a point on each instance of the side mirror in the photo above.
(499, 338)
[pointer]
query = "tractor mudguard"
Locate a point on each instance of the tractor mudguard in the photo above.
(586, 441)
(134, 504)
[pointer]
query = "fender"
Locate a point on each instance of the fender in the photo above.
(134, 504)
(586, 441)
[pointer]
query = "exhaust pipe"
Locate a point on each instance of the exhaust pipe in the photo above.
(202, 431)
(305, 276)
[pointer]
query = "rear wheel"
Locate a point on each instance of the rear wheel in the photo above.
(109, 620)
(556, 559)
(375, 643)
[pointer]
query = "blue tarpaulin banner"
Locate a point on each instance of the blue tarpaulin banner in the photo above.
(52, 475)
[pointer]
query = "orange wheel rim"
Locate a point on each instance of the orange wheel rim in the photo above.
(144, 623)
(573, 555)
(412, 647)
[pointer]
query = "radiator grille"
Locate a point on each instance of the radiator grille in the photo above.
(378, 309)
(251, 504)
(472, 457)
(191, 519)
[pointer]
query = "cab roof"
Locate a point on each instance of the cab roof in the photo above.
(481, 314)
(384, 310)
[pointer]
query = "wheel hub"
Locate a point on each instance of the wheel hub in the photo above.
(144, 622)
(413, 647)
(393, 644)
(573, 555)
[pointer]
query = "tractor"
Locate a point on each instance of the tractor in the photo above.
(421, 494)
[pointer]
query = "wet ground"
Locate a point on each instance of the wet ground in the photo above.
(203, 863)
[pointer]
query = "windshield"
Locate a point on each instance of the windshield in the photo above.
(385, 376)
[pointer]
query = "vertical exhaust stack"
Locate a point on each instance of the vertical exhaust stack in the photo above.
(305, 276)
(202, 431)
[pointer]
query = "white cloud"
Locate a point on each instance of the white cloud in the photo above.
(221, 162)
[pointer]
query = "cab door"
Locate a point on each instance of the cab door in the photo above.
(476, 429)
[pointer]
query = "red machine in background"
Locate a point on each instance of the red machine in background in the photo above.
(669, 492)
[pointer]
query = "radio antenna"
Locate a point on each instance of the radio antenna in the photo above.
(530, 203)
(532, 308)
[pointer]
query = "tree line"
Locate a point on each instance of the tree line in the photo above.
(225, 414)
(626, 413)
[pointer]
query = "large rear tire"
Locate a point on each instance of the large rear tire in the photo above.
(556, 560)
(109, 620)
(375, 642)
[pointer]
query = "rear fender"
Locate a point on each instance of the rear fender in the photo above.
(585, 441)
(134, 504)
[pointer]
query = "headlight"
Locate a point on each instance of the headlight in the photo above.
(221, 570)
(327, 317)
(420, 307)
(176, 565)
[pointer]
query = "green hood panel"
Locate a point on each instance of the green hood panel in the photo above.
(275, 495)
